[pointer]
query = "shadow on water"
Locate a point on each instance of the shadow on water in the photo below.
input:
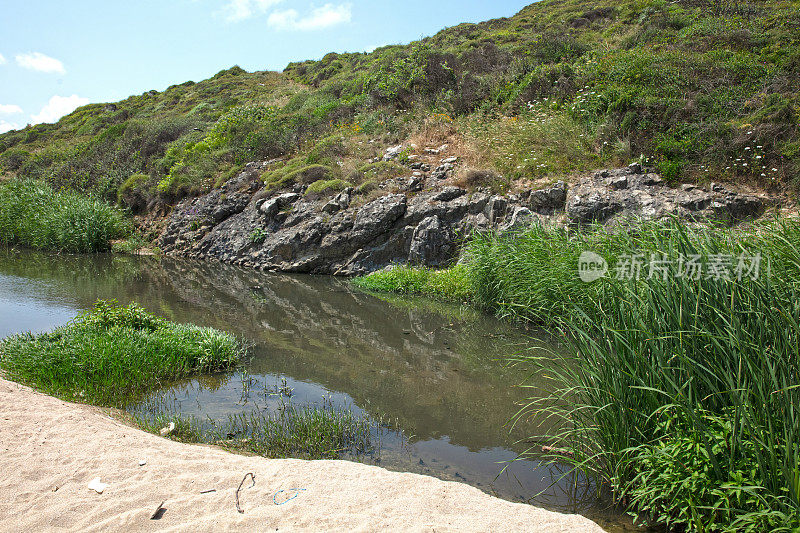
(434, 370)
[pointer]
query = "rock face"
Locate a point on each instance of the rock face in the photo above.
(291, 233)
(630, 193)
(242, 223)
(550, 200)
(432, 243)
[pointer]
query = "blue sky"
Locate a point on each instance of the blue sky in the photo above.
(56, 55)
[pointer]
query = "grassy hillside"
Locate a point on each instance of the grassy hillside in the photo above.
(701, 89)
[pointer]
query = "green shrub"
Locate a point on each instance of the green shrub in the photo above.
(296, 171)
(382, 170)
(133, 192)
(326, 151)
(322, 187)
(703, 478)
(258, 236)
(13, 159)
(228, 174)
(367, 187)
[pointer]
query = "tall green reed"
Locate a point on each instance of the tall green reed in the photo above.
(683, 394)
(34, 215)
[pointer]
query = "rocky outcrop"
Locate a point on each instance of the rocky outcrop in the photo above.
(432, 243)
(420, 219)
(293, 233)
(630, 193)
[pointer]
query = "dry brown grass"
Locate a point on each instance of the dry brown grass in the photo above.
(471, 178)
(438, 130)
(363, 199)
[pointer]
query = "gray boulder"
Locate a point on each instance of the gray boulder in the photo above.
(432, 243)
(449, 193)
(548, 201)
(392, 152)
(377, 217)
(496, 209)
(342, 201)
(595, 207)
(521, 219)
(272, 207)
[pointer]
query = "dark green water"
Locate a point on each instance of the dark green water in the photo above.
(433, 369)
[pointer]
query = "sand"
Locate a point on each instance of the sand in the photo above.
(51, 450)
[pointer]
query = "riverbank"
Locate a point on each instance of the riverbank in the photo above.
(683, 379)
(52, 450)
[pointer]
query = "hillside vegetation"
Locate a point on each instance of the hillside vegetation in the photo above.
(701, 89)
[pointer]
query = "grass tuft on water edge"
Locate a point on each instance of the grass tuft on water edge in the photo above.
(112, 355)
(450, 284)
(299, 431)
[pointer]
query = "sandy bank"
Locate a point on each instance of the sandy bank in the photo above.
(50, 450)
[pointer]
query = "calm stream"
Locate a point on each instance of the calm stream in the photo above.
(433, 370)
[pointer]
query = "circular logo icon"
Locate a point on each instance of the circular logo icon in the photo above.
(591, 267)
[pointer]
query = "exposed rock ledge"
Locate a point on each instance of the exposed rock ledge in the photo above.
(241, 223)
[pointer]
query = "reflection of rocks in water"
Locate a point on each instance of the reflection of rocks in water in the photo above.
(435, 375)
(429, 368)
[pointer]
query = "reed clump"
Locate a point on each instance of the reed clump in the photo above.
(34, 215)
(680, 390)
(681, 394)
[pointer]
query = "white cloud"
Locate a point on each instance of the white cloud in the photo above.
(8, 126)
(371, 48)
(40, 62)
(319, 18)
(57, 107)
(2, 59)
(9, 109)
(239, 10)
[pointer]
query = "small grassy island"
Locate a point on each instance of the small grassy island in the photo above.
(113, 356)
